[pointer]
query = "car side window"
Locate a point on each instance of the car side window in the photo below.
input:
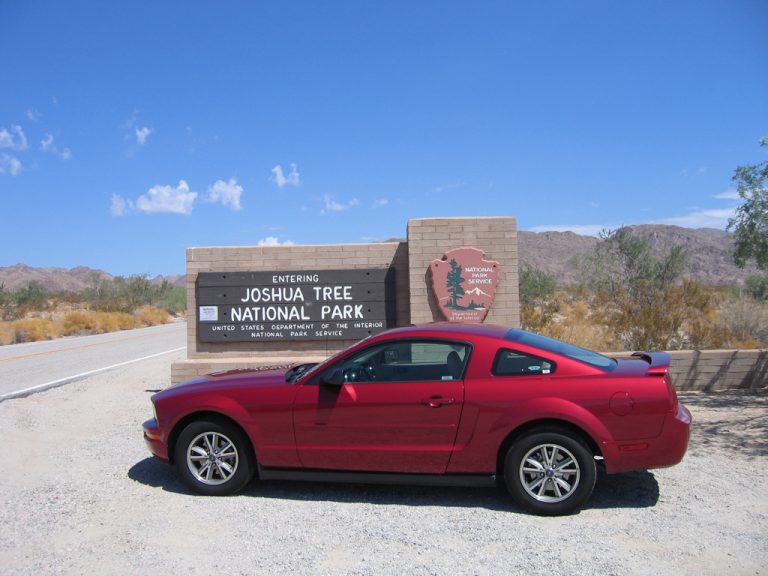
(406, 361)
(511, 363)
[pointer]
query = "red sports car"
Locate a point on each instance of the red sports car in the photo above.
(436, 404)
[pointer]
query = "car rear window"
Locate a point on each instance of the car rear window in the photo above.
(562, 348)
(512, 363)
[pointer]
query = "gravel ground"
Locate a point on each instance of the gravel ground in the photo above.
(81, 496)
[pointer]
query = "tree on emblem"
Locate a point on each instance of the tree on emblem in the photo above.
(453, 282)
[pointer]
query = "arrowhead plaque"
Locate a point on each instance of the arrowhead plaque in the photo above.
(464, 284)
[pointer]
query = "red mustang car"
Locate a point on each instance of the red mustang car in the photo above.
(436, 404)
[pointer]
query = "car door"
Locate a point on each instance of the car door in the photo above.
(395, 408)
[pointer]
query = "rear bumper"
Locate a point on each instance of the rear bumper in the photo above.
(667, 449)
(153, 440)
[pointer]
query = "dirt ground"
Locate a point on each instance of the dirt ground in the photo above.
(80, 494)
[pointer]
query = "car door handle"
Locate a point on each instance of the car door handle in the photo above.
(437, 401)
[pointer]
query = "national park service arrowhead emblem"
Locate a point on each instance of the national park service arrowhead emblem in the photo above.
(464, 284)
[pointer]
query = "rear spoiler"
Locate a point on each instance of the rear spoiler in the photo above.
(658, 362)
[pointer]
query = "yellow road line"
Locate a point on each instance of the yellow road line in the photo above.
(81, 347)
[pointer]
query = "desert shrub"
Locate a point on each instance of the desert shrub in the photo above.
(79, 322)
(128, 294)
(7, 333)
(7, 304)
(32, 296)
(34, 329)
(124, 320)
(641, 297)
(746, 323)
(151, 316)
(757, 287)
(100, 293)
(537, 298)
(579, 320)
(172, 298)
(106, 321)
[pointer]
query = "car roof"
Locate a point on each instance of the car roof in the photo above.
(449, 330)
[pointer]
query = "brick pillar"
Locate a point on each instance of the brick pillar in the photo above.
(430, 238)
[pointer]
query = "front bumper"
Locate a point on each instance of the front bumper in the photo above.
(154, 439)
(667, 449)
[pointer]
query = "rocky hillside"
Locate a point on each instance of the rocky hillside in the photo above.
(62, 279)
(709, 254)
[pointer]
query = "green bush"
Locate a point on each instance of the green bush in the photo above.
(757, 287)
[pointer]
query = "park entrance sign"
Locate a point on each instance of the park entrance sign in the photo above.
(251, 307)
(306, 305)
(464, 284)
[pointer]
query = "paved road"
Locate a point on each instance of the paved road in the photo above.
(35, 366)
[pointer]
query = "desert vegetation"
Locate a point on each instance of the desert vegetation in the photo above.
(627, 299)
(33, 313)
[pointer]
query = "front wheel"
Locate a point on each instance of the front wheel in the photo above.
(213, 458)
(550, 473)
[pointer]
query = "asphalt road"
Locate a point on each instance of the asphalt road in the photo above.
(37, 366)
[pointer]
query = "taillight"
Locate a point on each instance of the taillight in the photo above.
(671, 392)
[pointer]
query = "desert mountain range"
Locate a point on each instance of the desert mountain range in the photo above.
(63, 279)
(709, 258)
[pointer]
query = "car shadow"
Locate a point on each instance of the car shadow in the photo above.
(629, 490)
(153, 473)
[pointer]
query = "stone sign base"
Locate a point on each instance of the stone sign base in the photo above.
(414, 301)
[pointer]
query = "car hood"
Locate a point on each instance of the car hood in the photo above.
(221, 381)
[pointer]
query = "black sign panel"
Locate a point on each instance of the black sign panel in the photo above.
(307, 305)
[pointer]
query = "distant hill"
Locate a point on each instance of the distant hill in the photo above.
(709, 257)
(709, 252)
(63, 279)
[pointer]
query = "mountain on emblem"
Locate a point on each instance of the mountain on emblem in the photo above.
(464, 284)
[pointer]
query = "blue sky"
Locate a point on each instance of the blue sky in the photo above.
(131, 130)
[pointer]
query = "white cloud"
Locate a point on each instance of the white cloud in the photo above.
(380, 202)
(714, 218)
(273, 241)
(33, 115)
(447, 187)
(228, 193)
(15, 139)
(47, 145)
(9, 165)
(293, 178)
(120, 206)
(728, 195)
(167, 199)
(135, 132)
(331, 205)
(583, 229)
(142, 134)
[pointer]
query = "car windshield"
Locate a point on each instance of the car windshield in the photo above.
(562, 348)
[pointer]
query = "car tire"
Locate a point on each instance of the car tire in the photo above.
(214, 458)
(550, 473)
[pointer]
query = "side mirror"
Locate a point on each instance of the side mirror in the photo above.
(336, 378)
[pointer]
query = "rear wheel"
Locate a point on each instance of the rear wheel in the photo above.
(214, 458)
(550, 473)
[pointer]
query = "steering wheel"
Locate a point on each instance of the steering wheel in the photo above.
(359, 373)
(369, 371)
